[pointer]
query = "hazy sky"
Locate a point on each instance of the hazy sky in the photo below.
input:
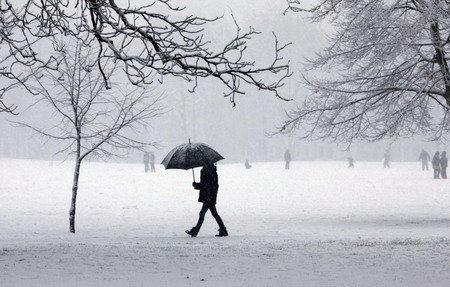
(205, 115)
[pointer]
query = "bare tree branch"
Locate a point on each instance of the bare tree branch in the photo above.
(384, 74)
(155, 39)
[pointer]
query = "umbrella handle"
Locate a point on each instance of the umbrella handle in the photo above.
(193, 176)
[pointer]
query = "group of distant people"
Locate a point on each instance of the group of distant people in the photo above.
(287, 160)
(439, 162)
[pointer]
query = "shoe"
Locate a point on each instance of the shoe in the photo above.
(193, 232)
(222, 232)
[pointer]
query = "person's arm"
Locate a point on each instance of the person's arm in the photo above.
(198, 185)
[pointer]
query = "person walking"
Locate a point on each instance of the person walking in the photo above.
(436, 163)
(444, 164)
(386, 159)
(287, 159)
(351, 162)
(152, 162)
(247, 164)
(208, 186)
(146, 160)
(425, 158)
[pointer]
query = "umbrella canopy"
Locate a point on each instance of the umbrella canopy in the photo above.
(190, 155)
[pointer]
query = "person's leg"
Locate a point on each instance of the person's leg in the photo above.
(194, 230)
(222, 229)
(201, 217)
(436, 173)
(216, 215)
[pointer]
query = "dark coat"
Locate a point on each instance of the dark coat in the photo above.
(208, 185)
(436, 161)
(424, 156)
(287, 156)
(444, 161)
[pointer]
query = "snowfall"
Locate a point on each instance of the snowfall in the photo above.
(317, 224)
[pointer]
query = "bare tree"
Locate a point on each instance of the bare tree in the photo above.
(93, 121)
(7, 26)
(17, 52)
(154, 38)
(384, 74)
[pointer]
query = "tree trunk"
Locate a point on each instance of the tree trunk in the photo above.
(76, 176)
(441, 59)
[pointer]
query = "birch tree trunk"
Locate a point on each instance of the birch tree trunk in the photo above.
(76, 176)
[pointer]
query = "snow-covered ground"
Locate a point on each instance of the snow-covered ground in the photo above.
(318, 224)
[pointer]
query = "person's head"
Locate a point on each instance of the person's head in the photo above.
(444, 153)
(437, 153)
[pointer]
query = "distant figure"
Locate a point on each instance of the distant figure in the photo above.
(208, 186)
(152, 162)
(444, 164)
(436, 163)
(146, 160)
(386, 159)
(247, 164)
(287, 158)
(424, 157)
(350, 162)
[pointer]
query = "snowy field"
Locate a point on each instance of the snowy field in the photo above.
(318, 224)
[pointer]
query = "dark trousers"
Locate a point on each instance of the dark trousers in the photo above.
(212, 208)
(287, 165)
(424, 165)
(146, 166)
(444, 173)
(437, 171)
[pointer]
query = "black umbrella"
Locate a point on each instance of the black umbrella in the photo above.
(190, 155)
